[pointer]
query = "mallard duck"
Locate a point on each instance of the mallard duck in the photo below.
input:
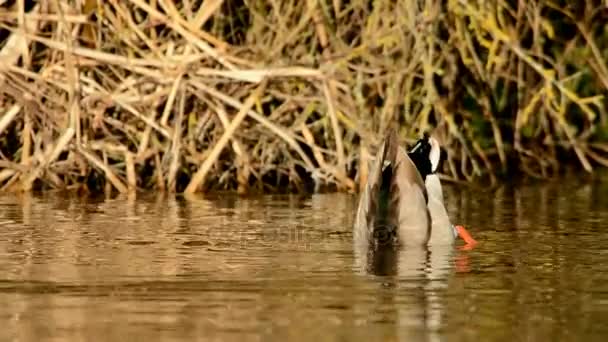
(402, 203)
(442, 230)
(392, 208)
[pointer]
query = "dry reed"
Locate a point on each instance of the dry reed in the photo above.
(199, 95)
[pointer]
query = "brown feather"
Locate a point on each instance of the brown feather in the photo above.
(391, 184)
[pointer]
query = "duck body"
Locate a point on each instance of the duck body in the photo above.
(402, 205)
(442, 230)
(392, 209)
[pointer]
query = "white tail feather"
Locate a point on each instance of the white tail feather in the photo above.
(435, 154)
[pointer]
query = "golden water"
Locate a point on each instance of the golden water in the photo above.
(160, 268)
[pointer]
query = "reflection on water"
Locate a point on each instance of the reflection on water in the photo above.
(283, 267)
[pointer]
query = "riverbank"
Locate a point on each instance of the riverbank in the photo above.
(266, 97)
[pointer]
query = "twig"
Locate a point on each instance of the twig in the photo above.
(199, 176)
(48, 158)
(8, 117)
(274, 128)
(118, 184)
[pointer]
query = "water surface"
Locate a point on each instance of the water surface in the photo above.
(277, 268)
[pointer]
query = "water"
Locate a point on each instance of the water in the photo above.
(283, 268)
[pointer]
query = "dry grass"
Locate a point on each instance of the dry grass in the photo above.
(193, 95)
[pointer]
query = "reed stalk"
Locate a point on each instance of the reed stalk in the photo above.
(258, 95)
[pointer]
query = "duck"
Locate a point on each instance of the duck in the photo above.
(443, 231)
(402, 202)
(392, 209)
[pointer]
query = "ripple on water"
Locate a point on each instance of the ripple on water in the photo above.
(283, 268)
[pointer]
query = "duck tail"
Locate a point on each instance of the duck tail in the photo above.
(384, 192)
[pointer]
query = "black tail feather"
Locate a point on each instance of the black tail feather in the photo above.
(419, 154)
(384, 199)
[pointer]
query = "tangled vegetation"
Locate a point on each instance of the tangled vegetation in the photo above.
(268, 95)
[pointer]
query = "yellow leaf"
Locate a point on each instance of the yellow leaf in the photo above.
(549, 91)
(492, 57)
(524, 115)
(192, 120)
(547, 27)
